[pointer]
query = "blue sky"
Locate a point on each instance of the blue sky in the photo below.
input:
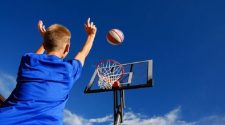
(186, 40)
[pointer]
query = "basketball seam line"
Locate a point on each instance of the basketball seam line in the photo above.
(118, 35)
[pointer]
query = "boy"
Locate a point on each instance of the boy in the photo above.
(44, 80)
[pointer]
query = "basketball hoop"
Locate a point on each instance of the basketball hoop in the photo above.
(109, 72)
(110, 75)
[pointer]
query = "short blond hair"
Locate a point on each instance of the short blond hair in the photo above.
(55, 37)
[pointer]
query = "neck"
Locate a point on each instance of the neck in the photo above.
(55, 53)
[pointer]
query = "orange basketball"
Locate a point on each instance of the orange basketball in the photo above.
(115, 36)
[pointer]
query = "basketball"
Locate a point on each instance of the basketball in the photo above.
(115, 36)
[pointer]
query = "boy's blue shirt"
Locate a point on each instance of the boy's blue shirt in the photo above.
(43, 84)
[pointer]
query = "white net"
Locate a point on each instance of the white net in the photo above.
(109, 71)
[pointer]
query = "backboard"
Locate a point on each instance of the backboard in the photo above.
(136, 75)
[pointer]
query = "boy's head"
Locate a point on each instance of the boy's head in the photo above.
(57, 39)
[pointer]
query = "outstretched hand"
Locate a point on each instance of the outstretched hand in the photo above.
(90, 28)
(41, 28)
(42, 31)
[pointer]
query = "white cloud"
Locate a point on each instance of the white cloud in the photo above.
(171, 118)
(7, 84)
(131, 118)
(212, 120)
(73, 119)
(102, 120)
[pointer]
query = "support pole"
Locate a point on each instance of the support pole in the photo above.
(118, 106)
(115, 105)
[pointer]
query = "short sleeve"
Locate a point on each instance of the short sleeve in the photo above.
(77, 68)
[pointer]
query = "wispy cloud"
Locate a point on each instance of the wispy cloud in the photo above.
(171, 118)
(212, 120)
(7, 84)
(131, 118)
(73, 119)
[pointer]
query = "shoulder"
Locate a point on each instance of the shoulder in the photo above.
(27, 57)
(76, 67)
(31, 55)
(74, 63)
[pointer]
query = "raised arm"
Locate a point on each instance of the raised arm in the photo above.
(42, 31)
(91, 30)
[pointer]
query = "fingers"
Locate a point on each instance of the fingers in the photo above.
(40, 23)
(41, 27)
(94, 28)
(88, 22)
(90, 27)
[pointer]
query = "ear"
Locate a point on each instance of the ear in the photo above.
(66, 50)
